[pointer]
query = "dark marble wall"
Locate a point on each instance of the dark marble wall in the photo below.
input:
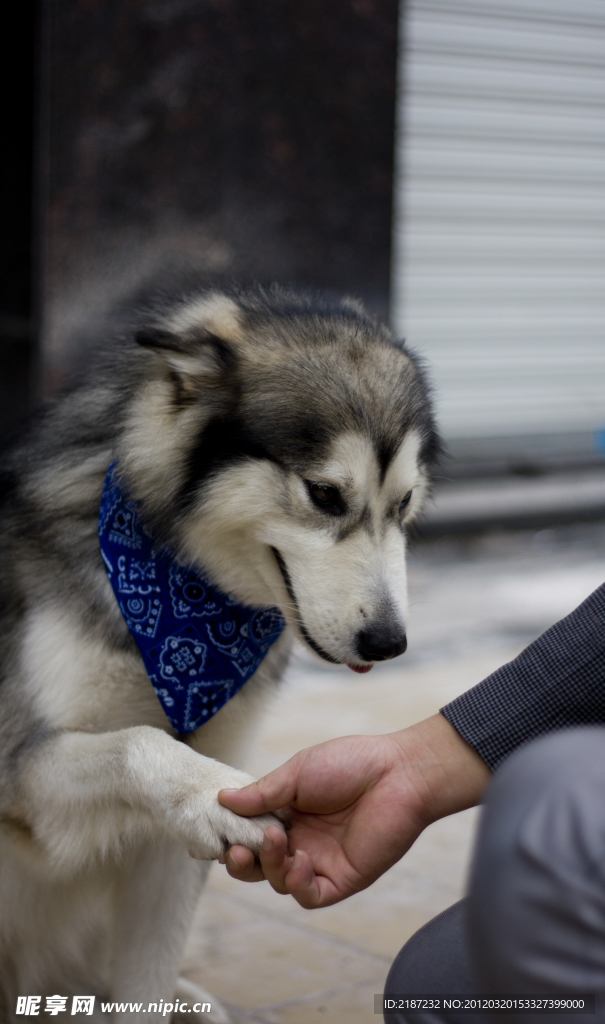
(247, 139)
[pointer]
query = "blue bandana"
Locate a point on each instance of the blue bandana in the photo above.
(198, 645)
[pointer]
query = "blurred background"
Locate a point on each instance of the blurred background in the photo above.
(441, 159)
(444, 161)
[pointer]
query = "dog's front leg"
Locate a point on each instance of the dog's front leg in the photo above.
(156, 895)
(85, 795)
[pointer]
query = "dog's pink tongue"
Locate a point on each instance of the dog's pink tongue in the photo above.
(360, 668)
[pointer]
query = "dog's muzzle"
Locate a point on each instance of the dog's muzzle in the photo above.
(380, 640)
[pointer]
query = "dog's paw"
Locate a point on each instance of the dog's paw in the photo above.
(209, 829)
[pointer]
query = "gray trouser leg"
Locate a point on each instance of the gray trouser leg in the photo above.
(434, 961)
(535, 920)
(537, 897)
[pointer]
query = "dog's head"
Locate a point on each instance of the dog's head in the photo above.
(284, 446)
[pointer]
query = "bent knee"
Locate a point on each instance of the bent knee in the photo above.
(543, 808)
(560, 760)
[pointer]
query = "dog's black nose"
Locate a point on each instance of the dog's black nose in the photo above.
(380, 642)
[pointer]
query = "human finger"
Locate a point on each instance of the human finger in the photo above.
(302, 883)
(274, 858)
(273, 791)
(241, 864)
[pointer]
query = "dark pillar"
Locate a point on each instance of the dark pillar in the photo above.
(17, 249)
(247, 139)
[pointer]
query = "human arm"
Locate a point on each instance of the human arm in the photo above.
(556, 682)
(358, 803)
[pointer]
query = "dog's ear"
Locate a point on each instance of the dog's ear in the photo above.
(194, 357)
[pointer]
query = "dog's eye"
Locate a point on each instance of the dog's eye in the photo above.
(405, 501)
(326, 497)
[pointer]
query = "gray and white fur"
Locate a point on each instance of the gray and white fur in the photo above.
(283, 444)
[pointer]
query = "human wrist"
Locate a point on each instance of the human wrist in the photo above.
(446, 773)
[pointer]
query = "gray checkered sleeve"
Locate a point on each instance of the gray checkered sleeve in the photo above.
(556, 682)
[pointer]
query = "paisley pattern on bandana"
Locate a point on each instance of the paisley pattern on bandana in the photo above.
(198, 645)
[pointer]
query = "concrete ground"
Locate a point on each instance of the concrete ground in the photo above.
(474, 603)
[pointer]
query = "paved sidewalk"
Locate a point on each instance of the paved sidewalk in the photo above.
(474, 604)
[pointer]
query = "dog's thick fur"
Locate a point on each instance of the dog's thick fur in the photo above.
(274, 441)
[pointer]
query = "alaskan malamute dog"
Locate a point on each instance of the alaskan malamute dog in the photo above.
(276, 444)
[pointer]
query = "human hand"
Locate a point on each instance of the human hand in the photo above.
(357, 804)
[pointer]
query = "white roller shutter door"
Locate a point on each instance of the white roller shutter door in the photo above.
(499, 271)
